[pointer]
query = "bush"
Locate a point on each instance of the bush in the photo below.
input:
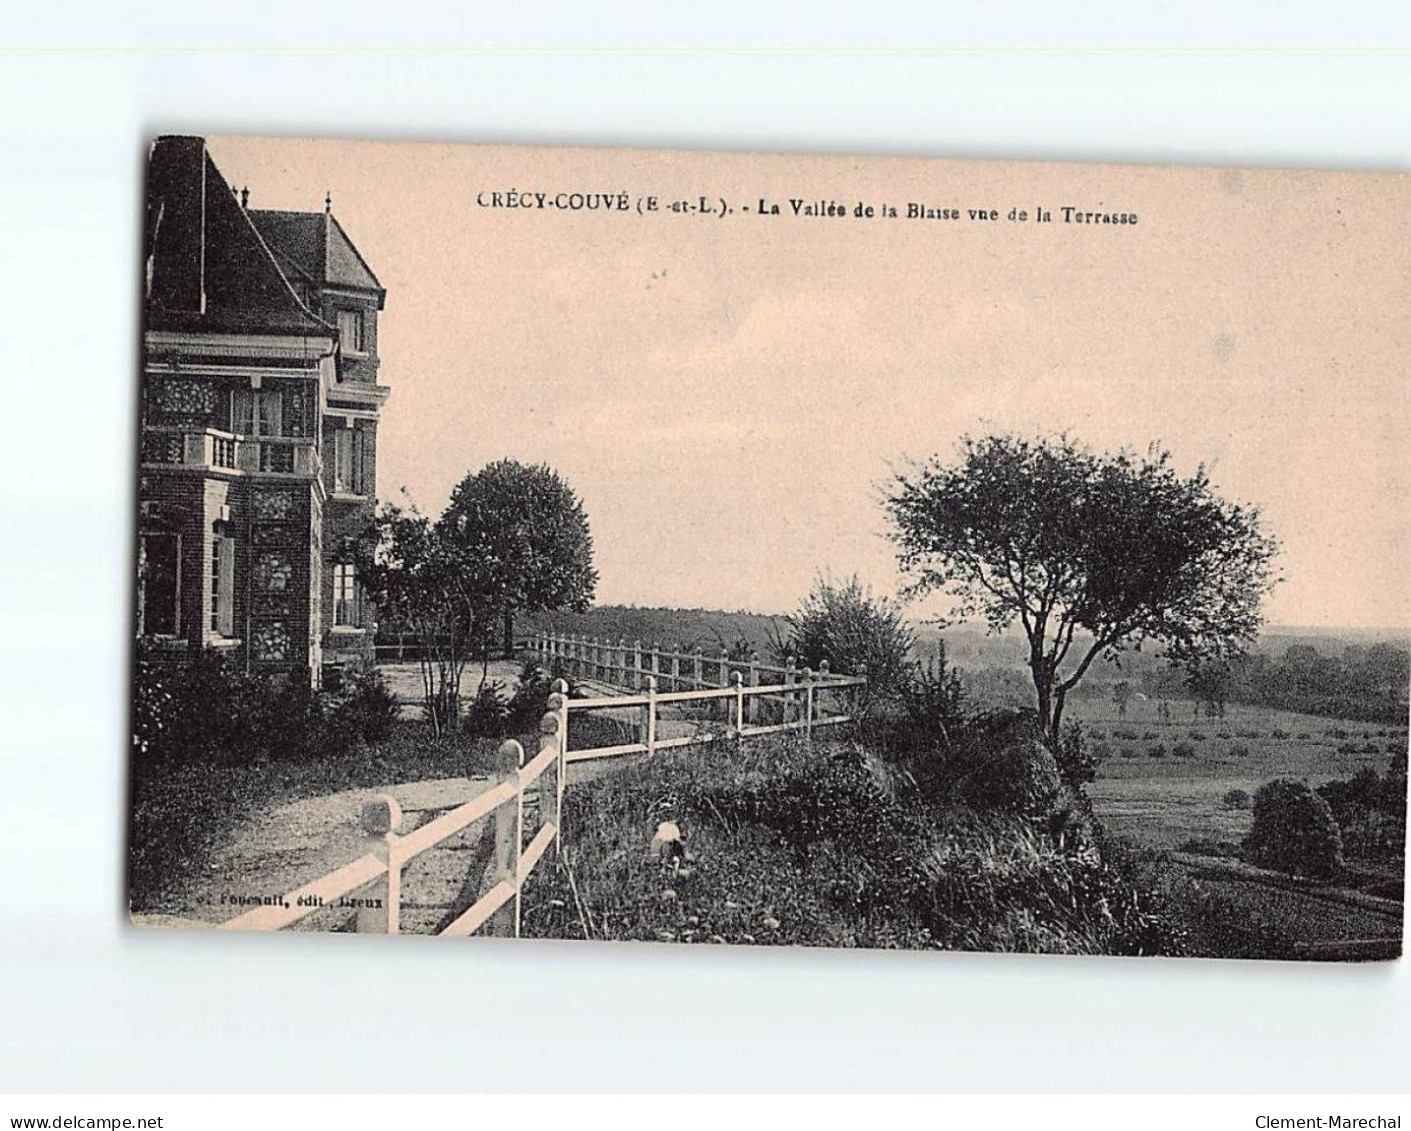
(1128, 735)
(1149, 735)
(530, 699)
(1198, 736)
(1237, 799)
(1294, 831)
(1006, 767)
(1183, 750)
(366, 705)
(1239, 750)
(1157, 751)
(1076, 761)
(1130, 752)
(846, 625)
(1279, 734)
(487, 716)
(933, 701)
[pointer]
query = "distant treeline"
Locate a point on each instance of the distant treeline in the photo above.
(1365, 684)
(685, 629)
(1331, 676)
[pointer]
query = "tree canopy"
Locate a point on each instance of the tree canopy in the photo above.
(514, 537)
(1092, 553)
(528, 533)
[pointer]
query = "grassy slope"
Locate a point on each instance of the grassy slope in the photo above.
(791, 844)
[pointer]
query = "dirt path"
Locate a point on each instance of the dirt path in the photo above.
(288, 845)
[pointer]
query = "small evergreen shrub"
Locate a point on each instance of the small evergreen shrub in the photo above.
(487, 715)
(1237, 799)
(1183, 750)
(1239, 750)
(1157, 751)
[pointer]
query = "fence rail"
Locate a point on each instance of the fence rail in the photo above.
(372, 884)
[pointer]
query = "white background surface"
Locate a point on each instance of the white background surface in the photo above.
(87, 1004)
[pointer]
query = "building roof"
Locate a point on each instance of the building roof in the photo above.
(208, 267)
(315, 246)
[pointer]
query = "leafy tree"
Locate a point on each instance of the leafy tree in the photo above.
(1122, 695)
(528, 533)
(1209, 684)
(1092, 553)
(846, 625)
(441, 593)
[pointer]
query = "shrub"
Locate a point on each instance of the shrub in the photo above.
(1130, 752)
(1149, 735)
(1223, 734)
(1127, 735)
(530, 699)
(366, 705)
(1076, 760)
(1157, 751)
(933, 701)
(1239, 750)
(1281, 735)
(1237, 799)
(1294, 831)
(1304, 736)
(1183, 750)
(846, 625)
(487, 716)
(1197, 736)
(1003, 765)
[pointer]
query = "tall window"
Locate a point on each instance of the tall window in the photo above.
(348, 461)
(159, 584)
(346, 613)
(350, 331)
(223, 585)
(257, 412)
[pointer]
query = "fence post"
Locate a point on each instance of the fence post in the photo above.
(636, 683)
(808, 704)
(651, 715)
(860, 693)
(824, 675)
(381, 818)
(737, 681)
(754, 682)
(508, 818)
(552, 728)
(790, 678)
(656, 662)
(675, 671)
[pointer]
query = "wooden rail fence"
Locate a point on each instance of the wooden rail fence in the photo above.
(372, 884)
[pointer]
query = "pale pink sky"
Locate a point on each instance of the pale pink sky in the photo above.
(726, 395)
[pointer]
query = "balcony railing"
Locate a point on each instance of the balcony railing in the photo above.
(211, 448)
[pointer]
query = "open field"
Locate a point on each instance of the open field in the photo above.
(1164, 801)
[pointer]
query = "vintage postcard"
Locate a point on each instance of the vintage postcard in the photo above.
(778, 550)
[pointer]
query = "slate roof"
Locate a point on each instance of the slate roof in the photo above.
(314, 245)
(208, 267)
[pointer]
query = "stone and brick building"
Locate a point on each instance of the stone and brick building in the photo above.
(259, 402)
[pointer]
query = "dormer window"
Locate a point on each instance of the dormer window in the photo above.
(350, 331)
